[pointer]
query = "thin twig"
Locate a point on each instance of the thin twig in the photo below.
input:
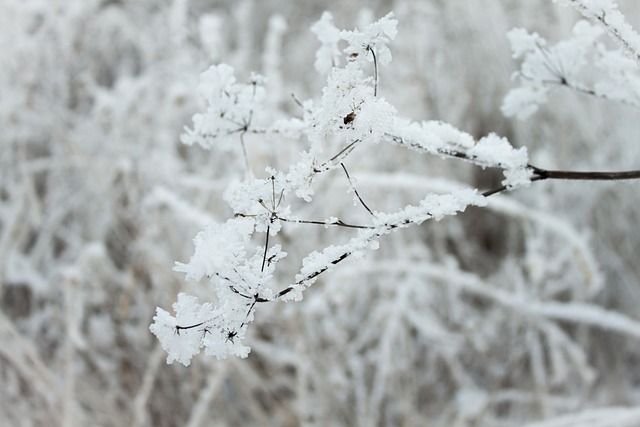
(375, 71)
(339, 156)
(245, 155)
(355, 190)
(540, 174)
(494, 191)
(346, 150)
(591, 92)
(584, 176)
(337, 223)
(266, 245)
(297, 101)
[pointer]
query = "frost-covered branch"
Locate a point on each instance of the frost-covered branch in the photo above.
(606, 13)
(350, 115)
(571, 64)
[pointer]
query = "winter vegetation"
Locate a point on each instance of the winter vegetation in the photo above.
(414, 213)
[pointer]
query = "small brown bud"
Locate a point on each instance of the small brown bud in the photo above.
(349, 118)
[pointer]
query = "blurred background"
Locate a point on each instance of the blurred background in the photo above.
(495, 317)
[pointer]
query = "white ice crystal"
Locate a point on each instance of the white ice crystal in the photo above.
(181, 345)
(218, 249)
(494, 150)
(373, 38)
(328, 54)
(523, 101)
(230, 108)
(522, 42)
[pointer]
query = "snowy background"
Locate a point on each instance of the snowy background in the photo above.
(518, 313)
